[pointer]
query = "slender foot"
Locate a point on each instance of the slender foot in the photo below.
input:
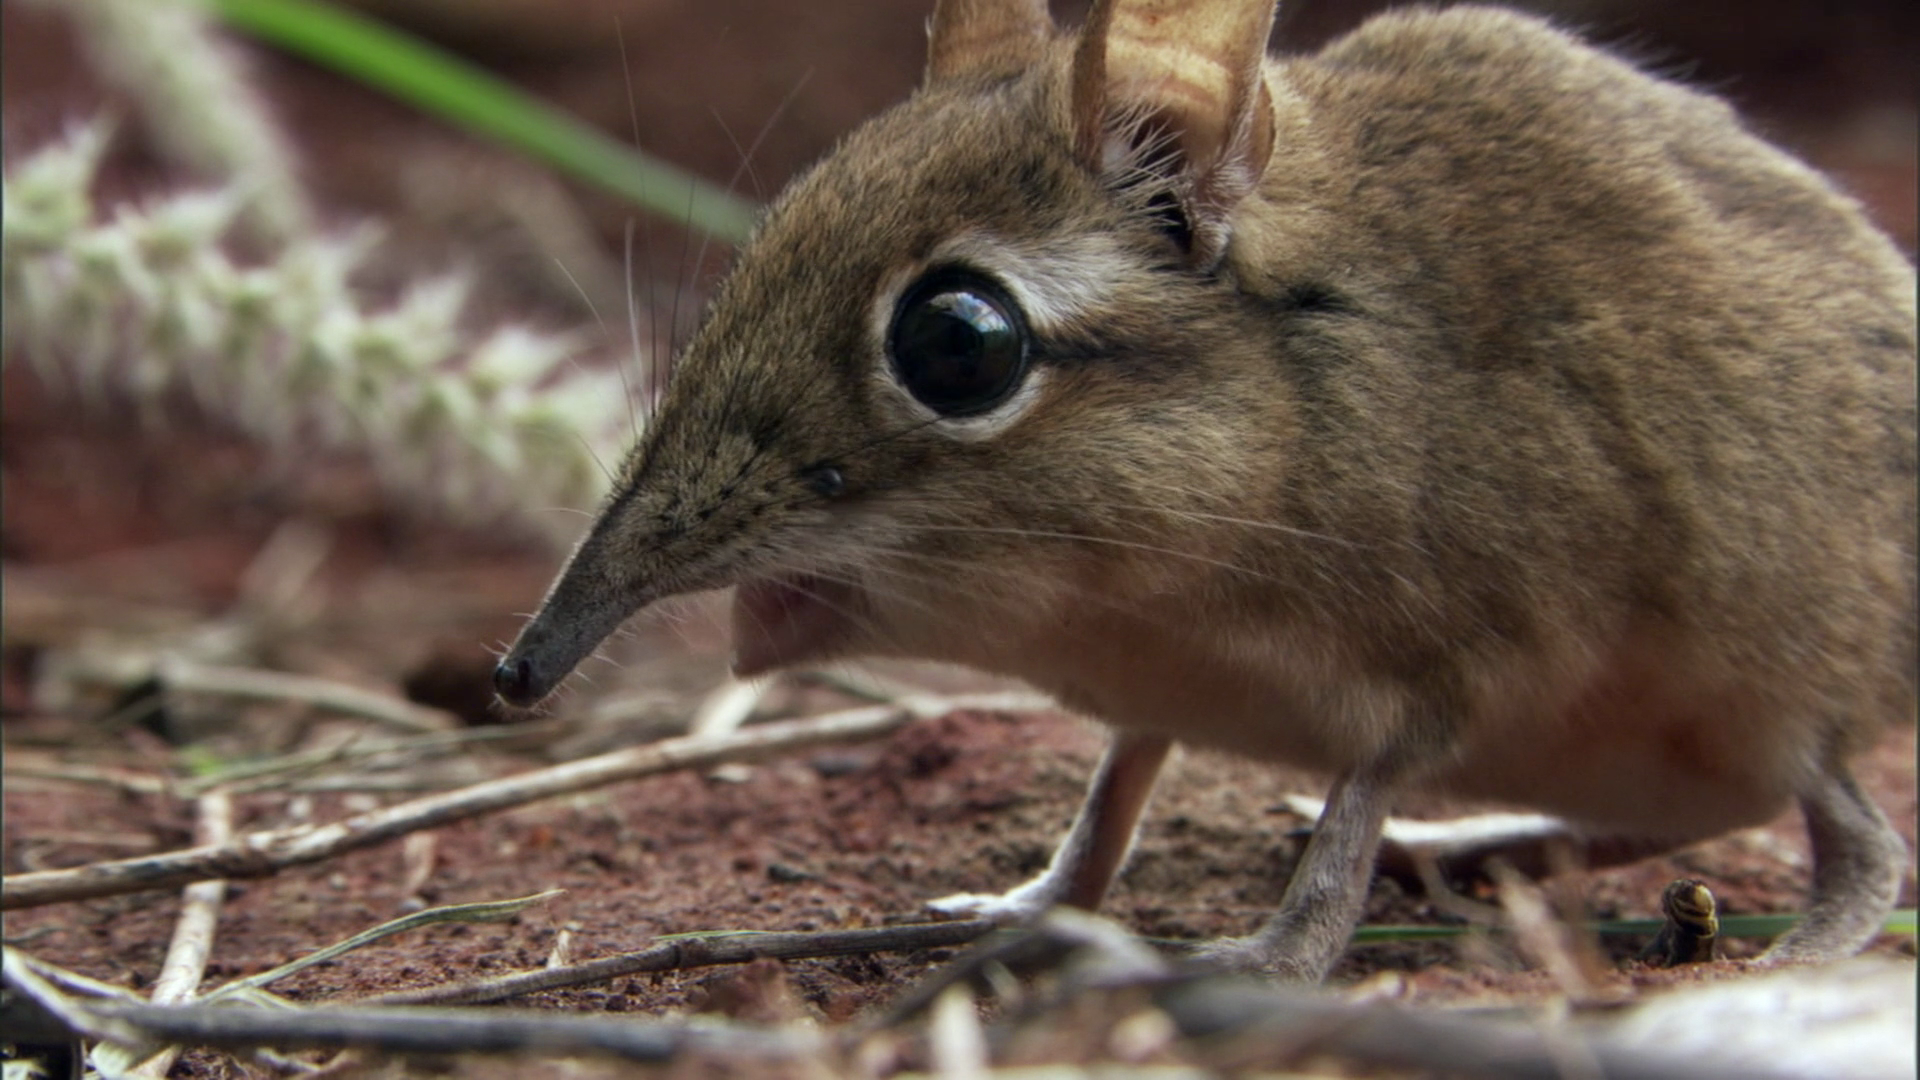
(1096, 846)
(1327, 894)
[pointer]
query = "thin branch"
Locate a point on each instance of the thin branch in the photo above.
(1250, 1025)
(186, 962)
(458, 1031)
(271, 773)
(192, 677)
(265, 853)
(176, 673)
(132, 781)
(421, 1031)
(683, 951)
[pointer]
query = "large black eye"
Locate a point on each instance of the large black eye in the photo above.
(958, 343)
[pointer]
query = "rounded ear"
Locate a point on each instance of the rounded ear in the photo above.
(1177, 88)
(985, 37)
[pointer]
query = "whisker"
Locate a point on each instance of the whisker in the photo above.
(626, 72)
(688, 277)
(1133, 545)
(633, 334)
(863, 585)
(1284, 530)
(855, 617)
(595, 455)
(1169, 511)
(633, 323)
(884, 560)
(788, 564)
(688, 274)
(767, 129)
(1318, 569)
(739, 151)
(660, 362)
(601, 655)
(584, 298)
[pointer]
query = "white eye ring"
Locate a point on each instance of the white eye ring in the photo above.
(910, 409)
(1055, 284)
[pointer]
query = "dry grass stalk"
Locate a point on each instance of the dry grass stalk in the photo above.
(193, 933)
(194, 96)
(265, 853)
(143, 304)
(413, 1030)
(682, 951)
(192, 677)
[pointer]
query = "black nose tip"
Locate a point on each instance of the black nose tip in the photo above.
(513, 681)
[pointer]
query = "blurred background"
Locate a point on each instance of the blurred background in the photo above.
(696, 83)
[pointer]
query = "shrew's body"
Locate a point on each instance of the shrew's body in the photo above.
(1458, 408)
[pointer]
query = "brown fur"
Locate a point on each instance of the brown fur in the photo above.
(1528, 430)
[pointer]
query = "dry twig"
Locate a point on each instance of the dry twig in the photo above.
(132, 781)
(428, 1031)
(283, 772)
(1250, 1024)
(193, 677)
(697, 950)
(186, 961)
(265, 853)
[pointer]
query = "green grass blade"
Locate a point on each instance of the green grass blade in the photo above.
(467, 97)
(1740, 926)
(1903, 921)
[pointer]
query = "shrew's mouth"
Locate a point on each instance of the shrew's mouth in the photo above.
(792, 619)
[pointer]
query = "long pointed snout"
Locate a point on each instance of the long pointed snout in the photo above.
(587, 603)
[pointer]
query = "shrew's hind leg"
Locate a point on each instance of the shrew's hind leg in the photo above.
(1096, 846)
(1858, 860)
(1328, 890)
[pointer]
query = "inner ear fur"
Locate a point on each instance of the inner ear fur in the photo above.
(975, 38)
(1177, 87)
